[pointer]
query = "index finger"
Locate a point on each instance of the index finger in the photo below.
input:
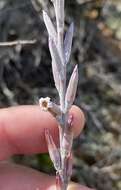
(22, 129)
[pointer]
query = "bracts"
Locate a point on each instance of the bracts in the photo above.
(60, 50)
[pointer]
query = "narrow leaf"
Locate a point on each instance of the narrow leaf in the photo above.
(68, 42)
(71, 90)
(56, 60)
(53, 151)
(50, 27)
(56, 75)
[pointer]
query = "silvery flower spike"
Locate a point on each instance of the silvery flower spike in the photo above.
(60, 49)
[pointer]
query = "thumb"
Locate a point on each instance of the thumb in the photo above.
(23, 178)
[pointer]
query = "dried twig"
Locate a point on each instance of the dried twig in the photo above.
(18, 42)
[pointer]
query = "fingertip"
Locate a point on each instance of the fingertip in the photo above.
(79, 120)
(22, 129)
(75, 186)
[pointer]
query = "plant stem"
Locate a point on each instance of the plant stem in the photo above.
(60, 34)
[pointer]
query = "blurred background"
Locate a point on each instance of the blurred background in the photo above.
(25, 75)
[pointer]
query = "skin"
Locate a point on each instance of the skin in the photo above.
(22, 132)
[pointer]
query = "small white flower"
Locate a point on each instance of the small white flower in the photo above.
(44, 103)
(47, 105)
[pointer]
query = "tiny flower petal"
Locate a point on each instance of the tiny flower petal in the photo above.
(47, 105)
(44, 103)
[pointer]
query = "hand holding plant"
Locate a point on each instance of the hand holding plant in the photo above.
(22, 132)
(24, 129)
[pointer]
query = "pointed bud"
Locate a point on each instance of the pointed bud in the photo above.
(68, 43)
(53, 151)
(50, 27)
(67, 138)
(69, 164)
(71, 90)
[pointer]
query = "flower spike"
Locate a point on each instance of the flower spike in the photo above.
(60, 50)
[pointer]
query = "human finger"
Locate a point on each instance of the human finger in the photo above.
(22, 129)
(20, 177)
